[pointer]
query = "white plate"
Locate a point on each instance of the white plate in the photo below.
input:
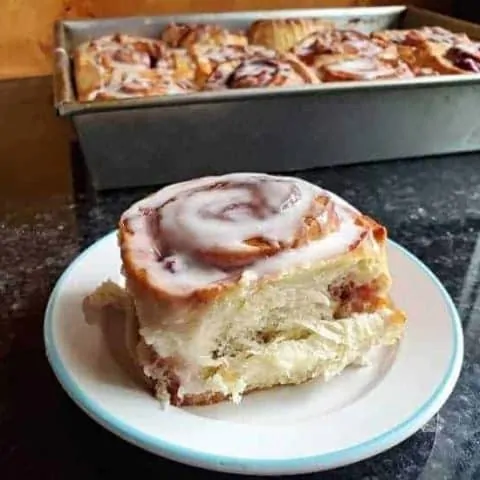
(286, 430)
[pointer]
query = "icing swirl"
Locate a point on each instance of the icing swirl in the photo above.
(259, 72)
(364, 68)
(126, 52)
(337, 42)
(208, 233)
(233, 223)
(128, 84)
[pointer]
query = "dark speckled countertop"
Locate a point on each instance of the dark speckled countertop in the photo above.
(48, 215)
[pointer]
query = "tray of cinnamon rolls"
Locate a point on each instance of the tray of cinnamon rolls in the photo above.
(305, 88)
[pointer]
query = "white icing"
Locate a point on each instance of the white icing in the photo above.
(112, 50)
(190, 221)
(254, 69)
(337, 42)
(441, 35)
(133, 83)
(226, 53)
(125, 69)
(262, 72)
(367, 68)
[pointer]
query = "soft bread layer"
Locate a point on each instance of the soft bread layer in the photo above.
(198, 329)
(261, 334)
(308, 350)
(327, 349)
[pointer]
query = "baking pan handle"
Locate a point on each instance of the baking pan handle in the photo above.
(62, 87)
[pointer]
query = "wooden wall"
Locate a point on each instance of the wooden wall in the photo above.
(25, 25)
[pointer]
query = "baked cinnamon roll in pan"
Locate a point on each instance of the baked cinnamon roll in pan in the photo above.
(329, 45)
(363, 69)
(210, 58)
(187, 58)
(448, 59)
(259, 72)
(249, 281)
(97, 61)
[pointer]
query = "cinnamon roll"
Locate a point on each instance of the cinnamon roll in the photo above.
(364, 68)
(320, 48)
(247, 281)
(207, 57)
(283, 33)
(147, 83)
(449, 59)
(181, 35)
(260, 72)
(421, 48)
(96, 60)
(414, 37)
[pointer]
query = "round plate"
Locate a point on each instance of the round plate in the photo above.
(285, 430)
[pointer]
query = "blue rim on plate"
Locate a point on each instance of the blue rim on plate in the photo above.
(199, 458)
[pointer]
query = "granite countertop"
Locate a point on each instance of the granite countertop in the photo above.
(48, 215)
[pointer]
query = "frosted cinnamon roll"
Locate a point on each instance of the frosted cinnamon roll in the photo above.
(413, 37)
(147, 83)
(207, 57)
(185, 35)
(330, 45)
(364, 68)
(260, 72)
(94, 61)
(247, 281)
(449, 59)
(283, 33)
(420, 48)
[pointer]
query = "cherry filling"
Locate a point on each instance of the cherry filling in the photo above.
(353, 298)
(464, 59)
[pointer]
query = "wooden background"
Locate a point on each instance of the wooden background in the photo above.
(26, 25)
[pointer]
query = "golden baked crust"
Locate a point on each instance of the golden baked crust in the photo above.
(414, 37)
(423, 49)
(282, 34)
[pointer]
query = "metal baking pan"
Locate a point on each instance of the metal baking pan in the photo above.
(148, 141)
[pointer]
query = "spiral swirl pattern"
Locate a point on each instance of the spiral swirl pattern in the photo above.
(200, 233)
(260, 72)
